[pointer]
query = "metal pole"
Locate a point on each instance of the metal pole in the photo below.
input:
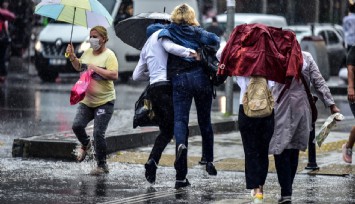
(264, 6)
(316, 12)
(229, 82)
(200, 7)
(291, 11)
(312, 163)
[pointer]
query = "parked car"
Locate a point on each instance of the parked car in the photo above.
(333, 39)
(53, 39)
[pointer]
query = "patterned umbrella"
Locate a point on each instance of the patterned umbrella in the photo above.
(87, 13)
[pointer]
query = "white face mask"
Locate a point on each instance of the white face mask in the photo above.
(94, 43)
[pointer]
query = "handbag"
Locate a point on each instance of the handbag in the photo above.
(79, 89)
(210, 64)
(311, 99)
(143, 111)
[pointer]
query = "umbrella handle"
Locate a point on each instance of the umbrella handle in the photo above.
(71, 34)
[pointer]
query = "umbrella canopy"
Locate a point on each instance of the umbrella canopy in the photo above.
(132, 31)
(87, 13)
(7, 15)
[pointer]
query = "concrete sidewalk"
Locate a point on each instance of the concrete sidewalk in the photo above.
(61, 145)
(229, 155)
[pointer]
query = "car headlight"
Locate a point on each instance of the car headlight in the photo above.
(84, 46)
(38, 46)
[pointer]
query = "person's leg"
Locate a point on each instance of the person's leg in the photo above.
(249, 134)
(83, 116)
(202, 93)
(294, 155)
(203, 101)
(161, 97)
(182, 99)
(348, 146)
(266, 131)
(102, 117)
(351, 140)
(283, 166)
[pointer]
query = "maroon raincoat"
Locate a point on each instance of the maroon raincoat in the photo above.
(257, 49)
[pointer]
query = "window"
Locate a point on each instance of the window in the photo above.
(125, 11)
(324, 36)
(108, 4)
(332, 38)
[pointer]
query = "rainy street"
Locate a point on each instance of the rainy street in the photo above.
(30, 107)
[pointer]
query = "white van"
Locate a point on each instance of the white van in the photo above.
(53, 39)
(248, 18)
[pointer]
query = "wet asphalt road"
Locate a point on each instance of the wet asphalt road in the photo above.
(29, 107)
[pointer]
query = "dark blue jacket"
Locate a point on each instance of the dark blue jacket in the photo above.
(188, 36)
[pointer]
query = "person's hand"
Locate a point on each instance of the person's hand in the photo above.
(334, 109)
(70, 51)
(195, 55)
(92, 67)
(351, 95)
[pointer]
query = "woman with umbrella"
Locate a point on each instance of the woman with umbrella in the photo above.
(189, 82)
(99, 98)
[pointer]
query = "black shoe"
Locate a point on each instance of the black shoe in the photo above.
(181, 184)
(150, 170)
(211, 169)
(181, 150)
(285, 200)
(203, 161)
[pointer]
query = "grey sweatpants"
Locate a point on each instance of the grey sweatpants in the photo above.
(101, 116)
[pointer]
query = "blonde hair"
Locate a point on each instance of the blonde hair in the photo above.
(102, 32)
(184, 14)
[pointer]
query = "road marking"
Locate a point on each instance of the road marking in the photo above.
(146, 197)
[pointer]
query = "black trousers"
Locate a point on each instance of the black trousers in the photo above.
(286, 167)
(256, 135)
(162, 102)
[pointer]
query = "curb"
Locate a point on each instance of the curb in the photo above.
(62, 145)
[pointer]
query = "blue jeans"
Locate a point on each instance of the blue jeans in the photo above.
(196, 85)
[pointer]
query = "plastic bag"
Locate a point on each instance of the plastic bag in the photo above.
(79, 89)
